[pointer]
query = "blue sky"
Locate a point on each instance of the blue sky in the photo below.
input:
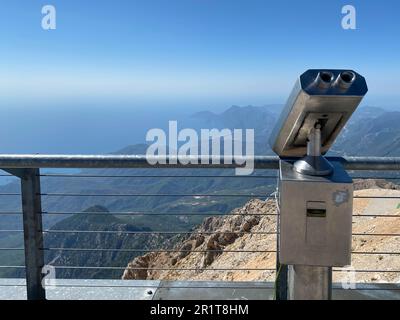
(190, 52)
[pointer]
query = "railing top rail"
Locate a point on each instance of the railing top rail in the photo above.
(141, 161)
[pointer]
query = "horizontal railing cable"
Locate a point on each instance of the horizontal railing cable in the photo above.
(189, 251)
(205, 269)
(368, 271)
(172, 195)
(267, 286)
(376, 197)
(375, 253)
(156, 250)
(10, 213)
(376, 215)
(157, 176)
(192, 285)
(12, 285)
(155, 232)
(184, 232)
(194, 176)
(375, 177)
(163, 268)
(179, 250)
(378, 234)
(205, 214)
(150, 195)
(149, 213)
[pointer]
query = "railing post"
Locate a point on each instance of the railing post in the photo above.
(33, 237)
(281, 288)
(310, 283)
(281, 282)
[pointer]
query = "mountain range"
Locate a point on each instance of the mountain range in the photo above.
(371, 131)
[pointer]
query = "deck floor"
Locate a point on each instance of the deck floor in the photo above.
(65, 289)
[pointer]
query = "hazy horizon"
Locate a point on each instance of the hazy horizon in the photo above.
(92, 129)
(112, 69)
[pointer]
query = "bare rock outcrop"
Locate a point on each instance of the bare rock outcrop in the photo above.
(206, 244)
(362, 184)
(241, 246)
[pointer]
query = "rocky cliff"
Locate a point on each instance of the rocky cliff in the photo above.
(215, 245)
(245, 239)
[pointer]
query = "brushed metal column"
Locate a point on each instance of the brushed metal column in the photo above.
(309, 283)
(33, 237)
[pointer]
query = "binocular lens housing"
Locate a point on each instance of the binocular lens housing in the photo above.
(344, 80)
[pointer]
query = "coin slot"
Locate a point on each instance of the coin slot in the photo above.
(319, 213)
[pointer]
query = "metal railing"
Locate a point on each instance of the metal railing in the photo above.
(27, 169)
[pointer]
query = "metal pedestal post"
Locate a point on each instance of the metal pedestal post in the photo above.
(33, 237)
(309, 283)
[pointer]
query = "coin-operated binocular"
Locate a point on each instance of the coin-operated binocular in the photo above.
(315, 194)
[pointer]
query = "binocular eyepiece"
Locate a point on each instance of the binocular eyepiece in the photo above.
(326, 79)
(320, 96)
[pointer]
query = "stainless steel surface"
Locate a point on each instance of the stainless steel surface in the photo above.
(314, 142)
(308, 103)
(33, 237)
(345, 79)
(315, 217)
(313, 163)
(309, 283)
(125, 161)
(370, 163)
(324, 79)
(11, 161)
(314, 166)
